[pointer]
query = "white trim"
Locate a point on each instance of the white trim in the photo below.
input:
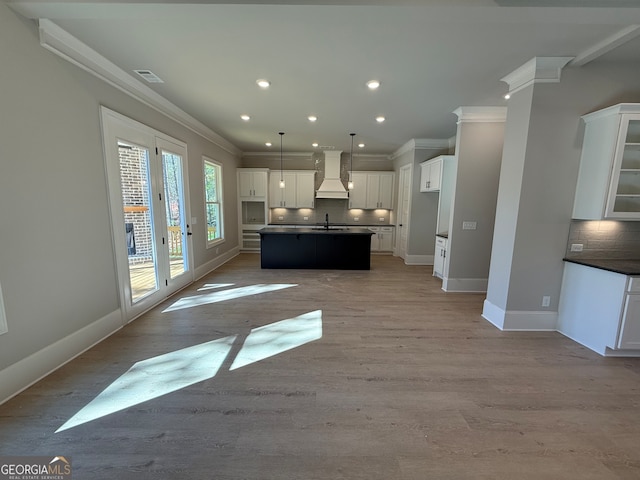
(63, 44)
(468, 285)
(613, 41)
(4, 328)
(420, 143)
(536, 70)
(418, 259)
(481, 114)
(520, 320)
(24, 373)
(618, 109)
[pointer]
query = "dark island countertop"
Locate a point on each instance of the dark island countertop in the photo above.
(616, 265)
(333, 230)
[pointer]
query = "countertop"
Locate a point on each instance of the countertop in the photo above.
(315, 225)
(333, 229)
(443, 234)
(616, 265)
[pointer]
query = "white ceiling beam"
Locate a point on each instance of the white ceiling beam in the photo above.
(619, 38)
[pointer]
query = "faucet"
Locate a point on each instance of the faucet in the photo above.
(326, 221)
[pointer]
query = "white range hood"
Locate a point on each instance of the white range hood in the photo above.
(332, 186)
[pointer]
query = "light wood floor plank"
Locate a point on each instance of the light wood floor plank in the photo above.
(407, 382)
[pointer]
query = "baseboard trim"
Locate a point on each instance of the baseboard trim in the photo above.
(468, 285)
(24, 373)
(211, 265)
(418, 259)
(519, 320)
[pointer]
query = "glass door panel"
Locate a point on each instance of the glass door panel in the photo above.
(135, 185)
(175, 217)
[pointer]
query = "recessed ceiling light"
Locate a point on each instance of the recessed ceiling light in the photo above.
(314, 145)
(312, 118)
(507, 96)
(373, 84)
(380, 119)
(246, 118)
(268, 144)
(262, 83)
(361, 145)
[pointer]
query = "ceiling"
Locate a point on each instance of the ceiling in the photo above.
(431, 57)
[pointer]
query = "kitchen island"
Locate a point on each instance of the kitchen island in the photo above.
(342, 248)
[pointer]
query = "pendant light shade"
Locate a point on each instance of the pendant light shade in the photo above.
(350, 184)
(281, 176)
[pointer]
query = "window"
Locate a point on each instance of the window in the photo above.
(213, 201)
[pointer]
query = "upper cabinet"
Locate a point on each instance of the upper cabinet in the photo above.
(430, 171)
(252, 183)
(298, 191)
(372, 190)
(609, 178)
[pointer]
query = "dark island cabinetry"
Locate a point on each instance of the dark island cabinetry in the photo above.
(333, 248)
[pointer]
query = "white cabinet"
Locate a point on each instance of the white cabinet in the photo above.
(439, 256)
(253, 211)
(609, 178)
(600, 309)
(252, 183)
(298, 191)
(431, 174)
(372, 190)
(382, 239)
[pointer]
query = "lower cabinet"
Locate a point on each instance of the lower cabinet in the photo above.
(382, 239)
(439, 256)
(600, 310)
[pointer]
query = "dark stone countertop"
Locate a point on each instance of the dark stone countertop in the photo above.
(617, 265)
(333, 229)
(315, 225)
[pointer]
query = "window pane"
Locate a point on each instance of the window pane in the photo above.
(210, 181)
(213, 223)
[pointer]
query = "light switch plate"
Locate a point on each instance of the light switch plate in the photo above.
(469, 225)
(577, 247)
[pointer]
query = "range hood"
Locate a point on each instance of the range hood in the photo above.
(332, 186)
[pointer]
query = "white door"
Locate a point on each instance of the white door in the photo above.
(404, 207)
(147, 191)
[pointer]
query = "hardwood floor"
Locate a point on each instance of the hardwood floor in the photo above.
(406, 382)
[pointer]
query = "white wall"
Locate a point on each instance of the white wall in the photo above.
(56, 262)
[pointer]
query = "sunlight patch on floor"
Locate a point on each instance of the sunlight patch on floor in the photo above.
(275, 338)
(155, 377)
(212, 286)
(198, 300)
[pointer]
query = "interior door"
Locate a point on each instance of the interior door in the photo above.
(404, 207)
(147, 192)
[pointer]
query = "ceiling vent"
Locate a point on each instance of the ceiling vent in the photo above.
(149, 76)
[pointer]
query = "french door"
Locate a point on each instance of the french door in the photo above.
(147, 190)
(404, 210)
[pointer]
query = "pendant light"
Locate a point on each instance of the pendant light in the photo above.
(350, 184)
(281, 177)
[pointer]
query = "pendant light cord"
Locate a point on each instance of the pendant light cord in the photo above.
(281, 177)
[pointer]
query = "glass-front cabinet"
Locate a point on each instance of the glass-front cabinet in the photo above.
(609, 178)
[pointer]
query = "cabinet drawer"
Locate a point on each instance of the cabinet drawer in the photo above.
(386, 229)
(634, 285)
(441, 242)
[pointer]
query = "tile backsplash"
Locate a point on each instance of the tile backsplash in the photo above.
(338, 213)
(604, 239)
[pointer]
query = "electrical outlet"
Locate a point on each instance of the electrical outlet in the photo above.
(577, 247)
(381, 219)
(546, 300)
(305, 218)
(355, 219)
(280, 217)
(469, 225)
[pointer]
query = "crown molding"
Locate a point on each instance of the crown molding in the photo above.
(419, 143)
(618, 109)
(536, 70)
(65, 45)
(480, 114)
(613, 41)
(277, 154)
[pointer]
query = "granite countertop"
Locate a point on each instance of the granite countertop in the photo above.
(629, 266)
(333, 229)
